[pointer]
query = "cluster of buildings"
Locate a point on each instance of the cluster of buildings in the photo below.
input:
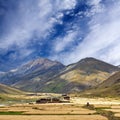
(62, 99)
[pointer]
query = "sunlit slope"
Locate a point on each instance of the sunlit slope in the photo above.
(109, 88)
(9, 90)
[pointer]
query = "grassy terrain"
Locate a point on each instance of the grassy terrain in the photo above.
(11, 113)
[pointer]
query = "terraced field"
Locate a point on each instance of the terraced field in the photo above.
(48, 112)
(75, 110)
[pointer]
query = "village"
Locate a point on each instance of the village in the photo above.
(64, 98)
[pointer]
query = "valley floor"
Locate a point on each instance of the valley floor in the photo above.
(76, 110)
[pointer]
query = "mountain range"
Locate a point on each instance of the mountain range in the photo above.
(44, 75)
(86, 73)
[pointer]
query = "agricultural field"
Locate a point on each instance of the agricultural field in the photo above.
(98, 109)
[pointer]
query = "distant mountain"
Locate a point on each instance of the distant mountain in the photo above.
(87, 73)
(41, 68)
(43, 75)
(9, 90)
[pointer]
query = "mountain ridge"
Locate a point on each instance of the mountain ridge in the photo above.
(86, 73)
(30, 70)
(44, 75)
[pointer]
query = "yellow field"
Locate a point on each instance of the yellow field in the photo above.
(53, 117)
(62, 111)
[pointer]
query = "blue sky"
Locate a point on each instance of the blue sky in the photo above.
(62, 30)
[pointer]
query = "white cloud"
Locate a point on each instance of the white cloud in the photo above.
(62, 42)
(37, 17)
(32, 17)
(97, 7)
(103, 39)
(65, 4)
